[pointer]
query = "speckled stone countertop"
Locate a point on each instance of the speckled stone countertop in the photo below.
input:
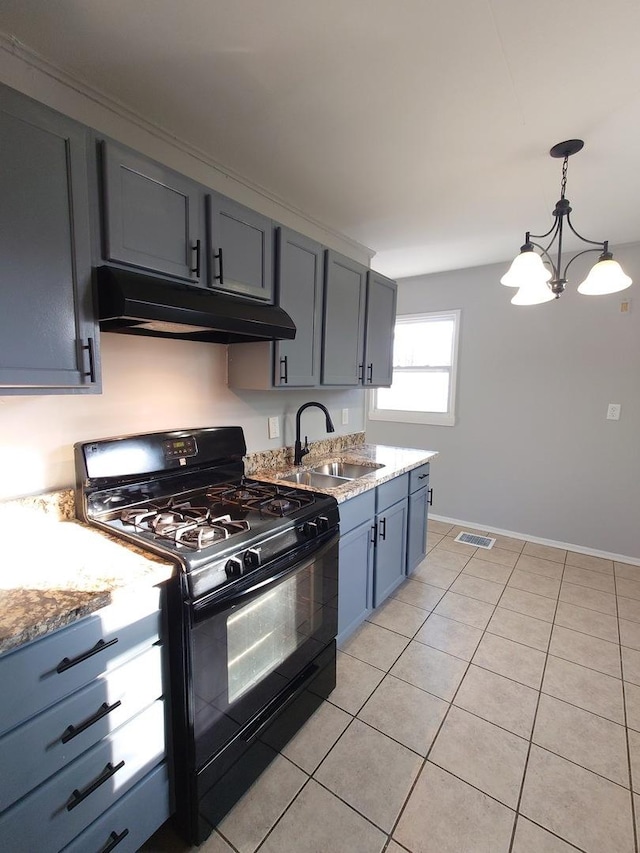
(55, 569)
(386, 463)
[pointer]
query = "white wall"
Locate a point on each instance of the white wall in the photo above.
(532, 451)
(150, 384)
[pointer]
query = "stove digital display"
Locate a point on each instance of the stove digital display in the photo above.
(178, 448)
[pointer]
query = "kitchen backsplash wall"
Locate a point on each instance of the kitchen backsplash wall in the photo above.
(151, 384)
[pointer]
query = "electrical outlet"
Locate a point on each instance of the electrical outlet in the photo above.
(613, 412)
(274, 427)
(345, 417)
(625, 306)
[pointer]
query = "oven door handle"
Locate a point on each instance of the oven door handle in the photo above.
(218, 601)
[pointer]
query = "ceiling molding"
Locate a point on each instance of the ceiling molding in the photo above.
(12, 45)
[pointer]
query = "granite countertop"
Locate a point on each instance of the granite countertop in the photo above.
(386, 463)
(55, 569)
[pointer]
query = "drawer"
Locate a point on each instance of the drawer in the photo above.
(357, 510)
(48, 669)
(390, 493)
(56, 812)
(418, 478)
(45, 744)
(130, 822)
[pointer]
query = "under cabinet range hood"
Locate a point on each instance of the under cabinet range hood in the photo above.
(138, 304)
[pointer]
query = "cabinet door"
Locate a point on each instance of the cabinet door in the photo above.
(391, 551)
(299, 291)
(355, 578)
(47, 331)
(343, 330)
(151, 216)
(240, 249)
(417, 531)
(381, 318)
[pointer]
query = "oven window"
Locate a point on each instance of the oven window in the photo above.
(267, 631)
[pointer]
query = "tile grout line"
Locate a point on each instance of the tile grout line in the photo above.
(535, 717)
(626, 724)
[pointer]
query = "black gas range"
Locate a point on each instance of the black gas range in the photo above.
(252, 610)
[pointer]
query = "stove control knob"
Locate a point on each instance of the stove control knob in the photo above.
(233, 568)
(251, 558)
(323, 523)
(310, 529)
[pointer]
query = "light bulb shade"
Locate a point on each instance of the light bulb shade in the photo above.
(605, 277)
(527, 269)
(533, 294)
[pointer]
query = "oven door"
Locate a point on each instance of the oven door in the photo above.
(248, 647)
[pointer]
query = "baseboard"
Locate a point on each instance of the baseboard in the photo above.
(580, 549)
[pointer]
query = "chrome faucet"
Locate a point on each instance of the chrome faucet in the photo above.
(299, 450)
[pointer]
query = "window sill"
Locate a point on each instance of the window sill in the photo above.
(426, 418)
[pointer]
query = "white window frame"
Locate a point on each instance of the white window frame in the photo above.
(447, 418)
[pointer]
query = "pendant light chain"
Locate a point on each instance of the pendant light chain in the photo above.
(563, 185)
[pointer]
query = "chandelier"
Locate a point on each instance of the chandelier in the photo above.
(537, 276)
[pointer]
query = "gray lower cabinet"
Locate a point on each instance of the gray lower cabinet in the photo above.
(299, 288)
(373, 549)
(239, 249)
(418, 515)
(82, 734)
(48, 335)
(151, 216)
(355, 579)
(392, 507)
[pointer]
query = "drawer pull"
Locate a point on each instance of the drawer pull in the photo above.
(114, 840)
(71, 731)
(422, 476)
(67, 663)
(78, 796)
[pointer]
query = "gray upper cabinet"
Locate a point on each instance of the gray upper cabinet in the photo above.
(239, 249)
(344, 320)
(48, 337)
(380, 322)
(152, 215)
(300, 285)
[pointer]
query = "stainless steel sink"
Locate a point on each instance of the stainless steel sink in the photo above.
(316, 480)
(346, 470)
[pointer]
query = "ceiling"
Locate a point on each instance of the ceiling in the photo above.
(420, 128)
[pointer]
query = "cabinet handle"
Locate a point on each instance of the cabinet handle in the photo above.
(91, 373)
(78, 796)
(114, 840)
(284, 369)
(72, 731)
(383, 529)
(374, 533)
(361, 373)
(370, 373)
(430, 493)
(196, 249)
(218, 256)
(67, 663)
(422, 476)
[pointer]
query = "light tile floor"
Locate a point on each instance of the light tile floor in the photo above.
(491, 706)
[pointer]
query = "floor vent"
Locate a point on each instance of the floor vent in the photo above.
(474, 539)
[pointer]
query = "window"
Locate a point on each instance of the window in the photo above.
(425, 354)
